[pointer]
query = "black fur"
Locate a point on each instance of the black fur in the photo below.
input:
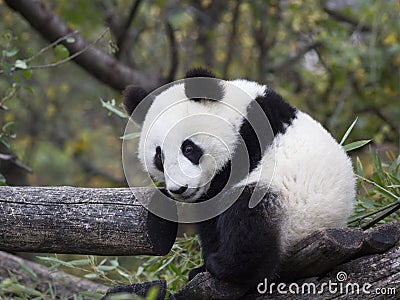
(205, 87)
(133, 96)
(199, 72)
(277, 110)
(242, 244)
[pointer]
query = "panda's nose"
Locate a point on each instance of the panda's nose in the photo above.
(179, 191)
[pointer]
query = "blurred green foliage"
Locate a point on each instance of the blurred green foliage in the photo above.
(334, 62)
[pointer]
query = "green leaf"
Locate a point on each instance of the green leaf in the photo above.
(355, 145)
(130, 136)
(80, 262)
(26, 73)
(348, 131)
(5, 142)
(55, 260)
(2, 180)
(380, 189)
(61, 51)
(110, 105)
(7, 127)
(11, 52)
(360, 168)
(6, 68)
(90, 276)
(114, 262)
(28, 270)
(106, 268)
(91, 295)
(152, 293)
(54, 267)
(20, 64)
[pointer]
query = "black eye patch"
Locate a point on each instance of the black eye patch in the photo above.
(158, 159)
(191, 151)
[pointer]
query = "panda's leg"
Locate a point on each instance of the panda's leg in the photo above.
(249, 241)
(209, 242)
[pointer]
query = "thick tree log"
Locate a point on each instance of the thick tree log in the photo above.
(82, 220)
(321, 252)
(65, 284)
(99, 64)
(368, 277)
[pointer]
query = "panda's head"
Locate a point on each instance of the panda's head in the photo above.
(189, 133)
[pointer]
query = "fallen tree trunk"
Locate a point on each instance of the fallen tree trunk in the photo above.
(368, 277)
(320, 258)
(82, 220)
(35, 275)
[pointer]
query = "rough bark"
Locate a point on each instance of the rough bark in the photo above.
(65, 284)
(321, 251)
(376, 274)
(82, 220)
(99, 64)
(319, 258)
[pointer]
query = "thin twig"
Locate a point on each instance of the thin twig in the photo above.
(231, 40)
(341, 17)
(60, 62)
(122, 36)
(173, 52)
(13, 159)
(55, 43)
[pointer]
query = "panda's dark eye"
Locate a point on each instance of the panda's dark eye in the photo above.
(191, 151)
(188, 149)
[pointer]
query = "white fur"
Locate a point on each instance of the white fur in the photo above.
(313, 176)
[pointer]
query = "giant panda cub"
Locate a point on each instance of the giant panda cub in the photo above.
(305, 177)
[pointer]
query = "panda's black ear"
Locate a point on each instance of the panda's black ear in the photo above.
(199, 72)
(133, 96)
(204, 87)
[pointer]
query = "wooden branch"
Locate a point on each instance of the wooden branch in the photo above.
(321, 251)
(231, 40)
(315, 255)
(65, 284)
(341, 17)
(82, 220)
(380, 272)
(125, 29)
(294, 58)
(205, 287)
(174, 61)
(97, 63)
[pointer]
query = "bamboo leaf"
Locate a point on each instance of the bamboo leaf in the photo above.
(130, 136)
(355, 145)
(109, 105)
(348, 131)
